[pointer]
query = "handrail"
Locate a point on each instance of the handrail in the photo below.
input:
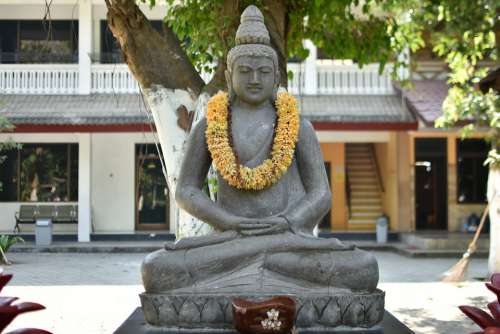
(377, 167)
(348, 191)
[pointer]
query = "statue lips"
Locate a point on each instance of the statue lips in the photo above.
(255, 89)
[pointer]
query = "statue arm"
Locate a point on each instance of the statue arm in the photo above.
(189, 194)
(304, 216)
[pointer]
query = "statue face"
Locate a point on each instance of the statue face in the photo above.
(253, 79)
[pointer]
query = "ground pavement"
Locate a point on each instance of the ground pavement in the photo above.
(94, 293)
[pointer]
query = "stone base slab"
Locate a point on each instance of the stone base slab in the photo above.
(358, 310)
(136, 324)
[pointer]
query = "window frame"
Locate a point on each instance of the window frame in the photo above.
(473, 155)
(69, 150)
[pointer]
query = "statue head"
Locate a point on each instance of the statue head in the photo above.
(252, 65)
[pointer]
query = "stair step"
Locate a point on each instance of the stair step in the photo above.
(363, 185)
(361, 176)
(365, 197)
(362, 197)
(358, 162)
(363, 201)
(361, 221)
(365, 216)
(358, 167)
(363, 180)
(376, 210)
(362, 207)
(358, 151)
(373, 190)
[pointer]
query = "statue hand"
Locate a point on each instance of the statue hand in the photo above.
(240, 224)
(268, 225)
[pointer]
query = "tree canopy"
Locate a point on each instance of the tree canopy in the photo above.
(462, 33)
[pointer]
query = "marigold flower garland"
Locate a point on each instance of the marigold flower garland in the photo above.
(270, 171)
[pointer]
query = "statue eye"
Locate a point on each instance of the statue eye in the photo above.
(265, 70)
(244, 69)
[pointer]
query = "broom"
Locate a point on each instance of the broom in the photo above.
(457, 272)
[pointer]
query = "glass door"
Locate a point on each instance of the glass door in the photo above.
(152, 197)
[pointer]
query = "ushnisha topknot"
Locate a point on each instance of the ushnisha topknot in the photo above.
(252, 29)
(252, 38)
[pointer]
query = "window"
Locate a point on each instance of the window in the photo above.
(472, 175)
(152, 197)
(110, 48)
(8, 176)
(36, 41)
(40, 173)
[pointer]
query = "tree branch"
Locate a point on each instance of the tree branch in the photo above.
(151, 57)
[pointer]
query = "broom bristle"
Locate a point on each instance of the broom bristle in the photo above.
(457, 272)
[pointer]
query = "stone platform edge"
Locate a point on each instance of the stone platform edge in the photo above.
(136, 324)
(215, 311)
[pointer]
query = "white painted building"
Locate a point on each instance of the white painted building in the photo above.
(79, 95)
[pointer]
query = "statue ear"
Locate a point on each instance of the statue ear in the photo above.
(229, 83)
(276, 87)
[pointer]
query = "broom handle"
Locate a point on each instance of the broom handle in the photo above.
(480, 227)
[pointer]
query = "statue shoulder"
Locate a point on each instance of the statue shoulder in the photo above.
(199, 129)
(306, 129)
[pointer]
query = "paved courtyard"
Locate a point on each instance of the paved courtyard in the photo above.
(94, 293)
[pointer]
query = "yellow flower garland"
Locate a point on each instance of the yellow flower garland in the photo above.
(271, 170)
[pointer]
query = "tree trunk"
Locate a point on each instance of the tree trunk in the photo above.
(276, 20)
(493, 195)
(171, 87)
(152, 58)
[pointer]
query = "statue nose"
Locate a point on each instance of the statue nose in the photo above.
(255, 77)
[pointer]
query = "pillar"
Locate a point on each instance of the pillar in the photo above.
(84, 178)
(404, 217)
(84, 45)
(310, 72)
(335, 154)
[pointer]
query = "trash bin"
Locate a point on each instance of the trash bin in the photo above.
(382, 229)
(43, 232)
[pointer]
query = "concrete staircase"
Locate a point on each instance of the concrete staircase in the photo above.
(363, 182)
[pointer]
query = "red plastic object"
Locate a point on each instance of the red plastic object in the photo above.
(489, 323)
(9, 311)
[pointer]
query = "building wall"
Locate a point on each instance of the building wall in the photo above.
(457, 212)
(392, 153)
(335, 154)
(394, 165)
(112, 180)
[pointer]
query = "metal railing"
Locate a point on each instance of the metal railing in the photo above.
(116, 79)
(350, 79)
(322, 79)
(39, 79)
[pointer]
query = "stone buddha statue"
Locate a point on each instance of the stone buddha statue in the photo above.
(272, 192)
